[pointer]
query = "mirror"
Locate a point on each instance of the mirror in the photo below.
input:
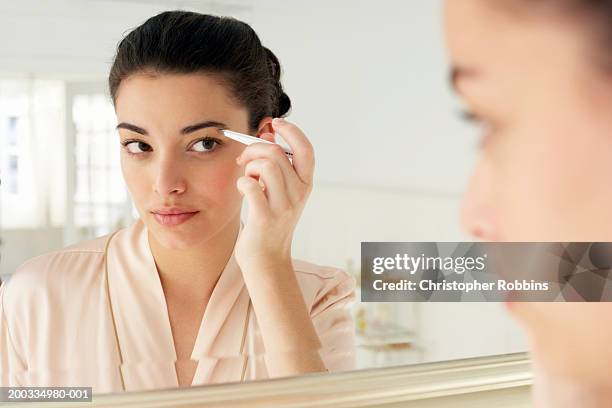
(368, 85)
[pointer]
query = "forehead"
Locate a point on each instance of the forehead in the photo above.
(468, 27)
(154, 99)
(492, 37)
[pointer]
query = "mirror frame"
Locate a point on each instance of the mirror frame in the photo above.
(503, 380)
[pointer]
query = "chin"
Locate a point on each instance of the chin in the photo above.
(173, 242)
(178, 237)
(177, 240)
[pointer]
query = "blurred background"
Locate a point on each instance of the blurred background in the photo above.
(369, 85)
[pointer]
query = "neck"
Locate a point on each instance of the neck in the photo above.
(196, 270)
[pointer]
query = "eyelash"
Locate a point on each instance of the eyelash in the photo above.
(125, 144)
(470, 116)
(474, 118)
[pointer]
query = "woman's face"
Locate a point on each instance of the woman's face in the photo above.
(173, 154)
(544, 170)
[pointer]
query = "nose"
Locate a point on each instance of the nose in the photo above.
(169, 179)
(477, 211)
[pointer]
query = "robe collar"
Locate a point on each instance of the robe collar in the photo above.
(142, 324)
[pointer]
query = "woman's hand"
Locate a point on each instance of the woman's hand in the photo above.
(276, 191)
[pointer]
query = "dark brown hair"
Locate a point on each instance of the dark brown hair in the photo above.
(594, 16)
(181, 42)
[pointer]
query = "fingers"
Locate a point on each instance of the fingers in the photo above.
(303, 152)
(275, 153)
(268, 136)
(270, 173)
(251, 190)
(286, 184)
(271, 151)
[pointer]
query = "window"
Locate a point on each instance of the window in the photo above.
(101, 201)
(31, 138)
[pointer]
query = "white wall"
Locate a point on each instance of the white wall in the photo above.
(369, 83)
(369, 86)
(20, 245)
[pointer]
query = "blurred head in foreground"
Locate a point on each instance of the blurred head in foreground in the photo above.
(537, 76)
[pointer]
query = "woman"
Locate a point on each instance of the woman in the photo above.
(187, 294)
(537, 75)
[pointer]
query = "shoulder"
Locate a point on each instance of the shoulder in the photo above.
(62, 261)
(54, 272)
(324, 286)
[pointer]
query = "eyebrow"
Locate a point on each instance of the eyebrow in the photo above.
(185, 131)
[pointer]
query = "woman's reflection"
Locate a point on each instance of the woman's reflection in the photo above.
(182, 295)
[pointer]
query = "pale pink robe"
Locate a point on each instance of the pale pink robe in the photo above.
(56, 328)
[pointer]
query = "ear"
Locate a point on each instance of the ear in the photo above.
(265, 129)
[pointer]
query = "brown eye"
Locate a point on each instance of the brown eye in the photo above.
(206, 145)
(136, 147)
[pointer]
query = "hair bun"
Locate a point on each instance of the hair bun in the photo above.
(284, 103)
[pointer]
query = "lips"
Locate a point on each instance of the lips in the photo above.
(169, 216)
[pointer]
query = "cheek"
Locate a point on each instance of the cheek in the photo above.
(551, 182)
(529, 184)
(217, 182)
(561, 336)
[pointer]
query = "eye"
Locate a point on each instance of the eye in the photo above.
(206, 145)
(136, 146)
(485, 128)
(469, 116)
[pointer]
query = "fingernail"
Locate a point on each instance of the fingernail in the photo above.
(278, 121)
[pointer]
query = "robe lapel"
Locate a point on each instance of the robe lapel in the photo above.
(141, 314)
(219, 339)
